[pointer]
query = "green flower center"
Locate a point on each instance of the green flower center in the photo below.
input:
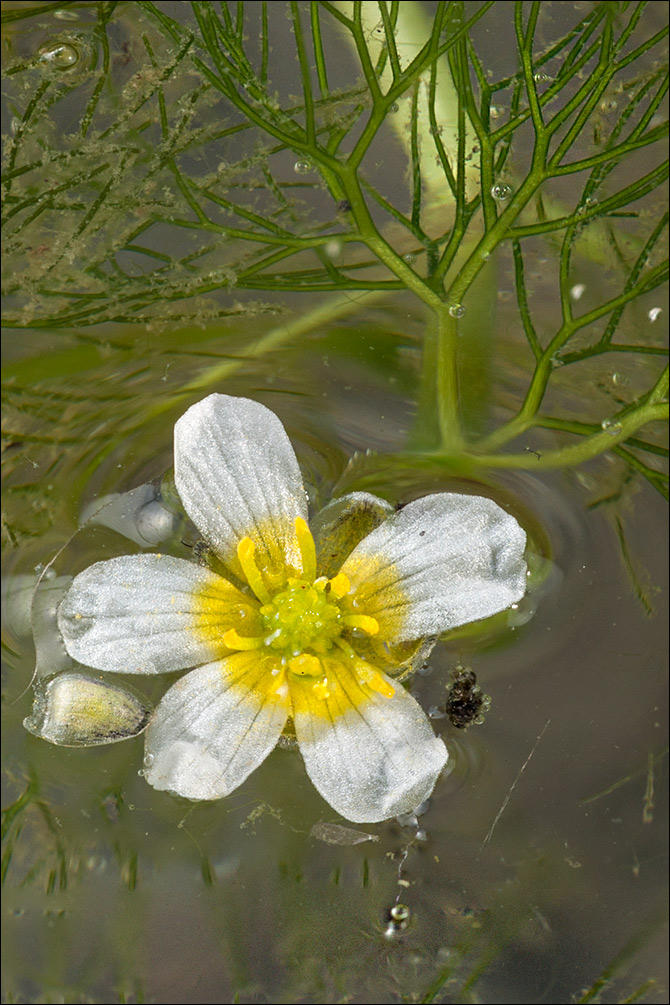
(306, 618)
(303, 616)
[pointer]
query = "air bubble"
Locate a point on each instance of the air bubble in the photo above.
(620, 379)
(62, 55)
(611, 426)
(333, 248)
(408, 258)
(654, 313)
(556, 361)
(395, 107)
(302, 167)
(495, 111)
(588, 204)
(65, 15)
(541, 77)
(148, 760)
(501, 192)
(398, 920)
(608, 105)
(457, 310)
(577, 291)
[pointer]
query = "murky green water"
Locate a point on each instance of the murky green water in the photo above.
(537, 871)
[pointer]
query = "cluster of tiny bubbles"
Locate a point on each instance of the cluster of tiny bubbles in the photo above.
(397, 920)
(495, 111)
(556, 361)
(61, 55)
(303, 167)
(654, 313)
(501, 191)
(611, 426)
(457, 310)
(588, 204)
(577, 290)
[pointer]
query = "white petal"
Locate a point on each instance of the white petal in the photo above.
(213, 728)
(369, 756)
(238, 476)
(148, 614)
(441, 562)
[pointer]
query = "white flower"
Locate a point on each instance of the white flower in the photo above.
(282, 642)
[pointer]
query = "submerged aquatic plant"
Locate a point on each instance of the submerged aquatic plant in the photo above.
(278, 638)
(197, 173)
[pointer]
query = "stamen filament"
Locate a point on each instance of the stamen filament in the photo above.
(234, 641)
(366, 624)
(254, 577)
(307, 549)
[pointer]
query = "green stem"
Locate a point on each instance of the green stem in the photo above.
(578, 453)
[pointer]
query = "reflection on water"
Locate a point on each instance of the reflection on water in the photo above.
(536, 862)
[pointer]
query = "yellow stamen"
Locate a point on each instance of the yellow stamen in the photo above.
(321, 689)
(278, 687)
(368, 625)
(306, 666)
(245, 553)
(235, 641)
(340, 585)
(307, 549)
(374, 680)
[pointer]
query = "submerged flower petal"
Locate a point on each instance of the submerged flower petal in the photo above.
(149, 614)
(342, 523)
(73, 710)
(214, 727)
(441, 562)
(238, 477)
(370, 756)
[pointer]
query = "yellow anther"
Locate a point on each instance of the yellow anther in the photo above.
(235, 641)
(245, 553)
(368, 625)
(307, 549)
(340, 585)
(321, 689)
(306, 666)
(374, 680)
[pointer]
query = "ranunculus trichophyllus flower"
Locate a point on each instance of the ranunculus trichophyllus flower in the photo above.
(284, 640)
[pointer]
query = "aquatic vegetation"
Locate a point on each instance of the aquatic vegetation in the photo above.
(432, 238)
(281, 640)
(195, 175)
